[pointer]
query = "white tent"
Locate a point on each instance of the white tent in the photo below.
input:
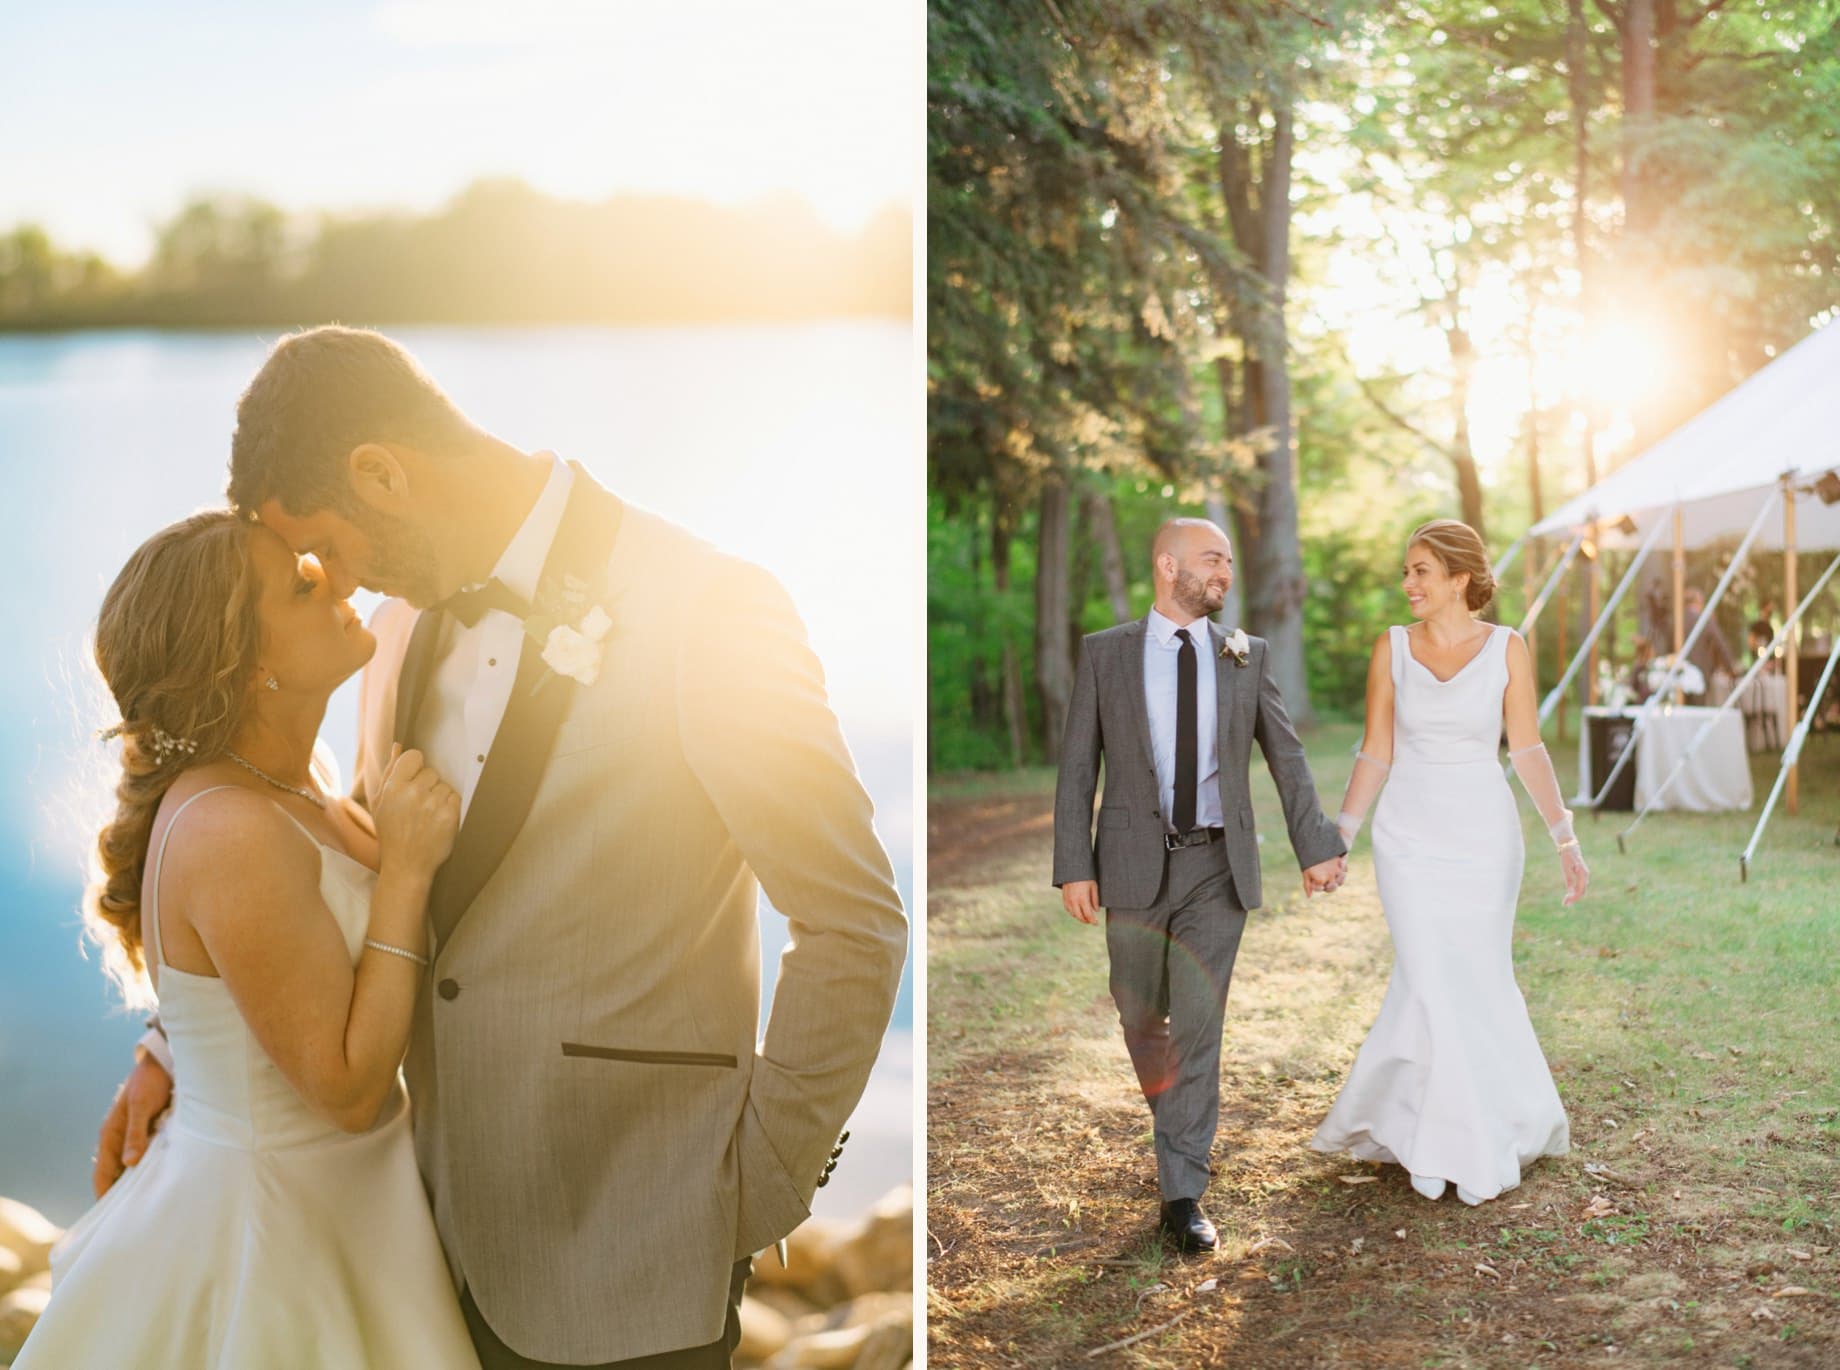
(1719, 477)
(1723, 463)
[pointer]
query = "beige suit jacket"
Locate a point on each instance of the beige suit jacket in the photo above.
(600, 1135)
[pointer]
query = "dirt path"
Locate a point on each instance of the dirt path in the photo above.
(1042, 1198)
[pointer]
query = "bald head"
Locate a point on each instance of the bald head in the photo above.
(1192, 568)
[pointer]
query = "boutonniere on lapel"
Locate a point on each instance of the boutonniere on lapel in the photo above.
(571, 629)
(1237, 647)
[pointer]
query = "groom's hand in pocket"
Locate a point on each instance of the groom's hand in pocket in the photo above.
(1081, 899)
(140, 1101)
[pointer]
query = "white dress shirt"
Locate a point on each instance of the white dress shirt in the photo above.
(475, 667)
(1161, 646)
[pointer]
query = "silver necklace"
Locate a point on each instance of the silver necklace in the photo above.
(317, 801)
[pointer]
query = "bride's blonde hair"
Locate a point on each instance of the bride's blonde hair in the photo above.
(1458, 548)
(177, 637)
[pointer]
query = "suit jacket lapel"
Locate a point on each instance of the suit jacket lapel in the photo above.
(1134, 675)
(1229, 697)
(412, 679)
(520, 750)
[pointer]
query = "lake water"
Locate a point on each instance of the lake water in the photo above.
(796, 447)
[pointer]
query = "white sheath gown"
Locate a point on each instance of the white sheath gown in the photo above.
(1450, 1083)
(254, 1232)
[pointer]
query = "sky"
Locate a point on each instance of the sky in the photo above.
(116, 111)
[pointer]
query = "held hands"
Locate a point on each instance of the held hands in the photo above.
(1081, 899)
(140, 1101)
(1325, 877)
(417, 814)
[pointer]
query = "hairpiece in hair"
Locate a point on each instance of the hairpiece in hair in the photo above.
(165, 745)
(109, 734)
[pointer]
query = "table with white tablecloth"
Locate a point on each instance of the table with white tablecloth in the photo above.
(1715, 778)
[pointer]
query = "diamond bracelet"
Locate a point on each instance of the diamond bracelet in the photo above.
(375, 945)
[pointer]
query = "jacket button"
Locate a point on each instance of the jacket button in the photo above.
(448, 989)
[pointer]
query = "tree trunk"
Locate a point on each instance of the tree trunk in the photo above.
(1102, 522)
(1462, 457)
(1577, 55)
(1273, 559)
(1638, 33)
(1053, 641)
(1233, 611)
(1015, 716)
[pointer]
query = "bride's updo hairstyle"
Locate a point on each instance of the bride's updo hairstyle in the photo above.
(1458, 547)
(178, 635)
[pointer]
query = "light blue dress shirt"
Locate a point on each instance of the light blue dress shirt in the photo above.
(1160, 648)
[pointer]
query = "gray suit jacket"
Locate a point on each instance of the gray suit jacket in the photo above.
(1107, 717)
(599, 1134)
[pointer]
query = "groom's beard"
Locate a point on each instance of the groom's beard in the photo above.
(1196, 596)
(403, 561)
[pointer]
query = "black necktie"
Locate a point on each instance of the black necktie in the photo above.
(469, 605)
(1187, 741)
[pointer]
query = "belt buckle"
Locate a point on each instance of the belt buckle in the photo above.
(1174, 841)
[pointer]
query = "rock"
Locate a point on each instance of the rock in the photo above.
(764, 1330)
(12, 1268)
(874, 1310)
(823, 1350)
(788, 1303)
(28, 1234)
(878, 1252)
(19, 1314)
(811, 1255)
(889, 1347)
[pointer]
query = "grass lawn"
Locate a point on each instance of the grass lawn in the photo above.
(1690, 1022)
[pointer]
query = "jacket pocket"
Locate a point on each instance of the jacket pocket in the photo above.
(1114, 818)
(655, 1058)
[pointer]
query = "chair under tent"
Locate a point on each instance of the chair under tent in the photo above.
(1761, 465)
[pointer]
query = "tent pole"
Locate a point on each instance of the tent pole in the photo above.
(1791, 755)
(1551, 700)
(1680, 577)
(1531, 631)
(1564, 611)
(1500, 568)
(1731, 700)
(1671, 679)
(1792, 675)
(1593, 599)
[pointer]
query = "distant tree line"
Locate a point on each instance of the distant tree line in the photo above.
(499, 252)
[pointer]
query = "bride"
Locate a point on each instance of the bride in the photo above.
(1450, 1083)
(277, 1219)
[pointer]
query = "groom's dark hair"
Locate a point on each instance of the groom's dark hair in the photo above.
(320, 394)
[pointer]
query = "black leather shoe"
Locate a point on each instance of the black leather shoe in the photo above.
(1187, 1226)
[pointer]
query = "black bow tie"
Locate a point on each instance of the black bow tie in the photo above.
(468, 605)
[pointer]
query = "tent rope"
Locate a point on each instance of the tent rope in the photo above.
(1539, 604)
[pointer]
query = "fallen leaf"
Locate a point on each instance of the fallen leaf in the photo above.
(1358, 1179)
(1800, 1255)
(1158, 1288)
(1762, 1313)
(1735, 1051)
(1207, 1286)
(1793, 1291)
(1264, 1242)
(1356, 1245)
(1488, 1270)
(1611, 1123)
(1600, 1207)
(1518, 1207)
(1401, 1234)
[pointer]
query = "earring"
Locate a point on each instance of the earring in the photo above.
(273, 684)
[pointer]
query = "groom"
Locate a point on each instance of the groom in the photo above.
(639, 734)
(1173, 707)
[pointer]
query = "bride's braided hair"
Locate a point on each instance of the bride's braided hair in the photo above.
(176, 639)
(1458, 548)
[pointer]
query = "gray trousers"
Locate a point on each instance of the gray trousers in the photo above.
(1171, 965)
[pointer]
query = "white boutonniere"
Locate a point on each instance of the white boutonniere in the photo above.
(571, 630)
(1237, 646)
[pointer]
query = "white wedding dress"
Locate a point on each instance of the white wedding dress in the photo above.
(254, 1233)
(1450, 1083)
